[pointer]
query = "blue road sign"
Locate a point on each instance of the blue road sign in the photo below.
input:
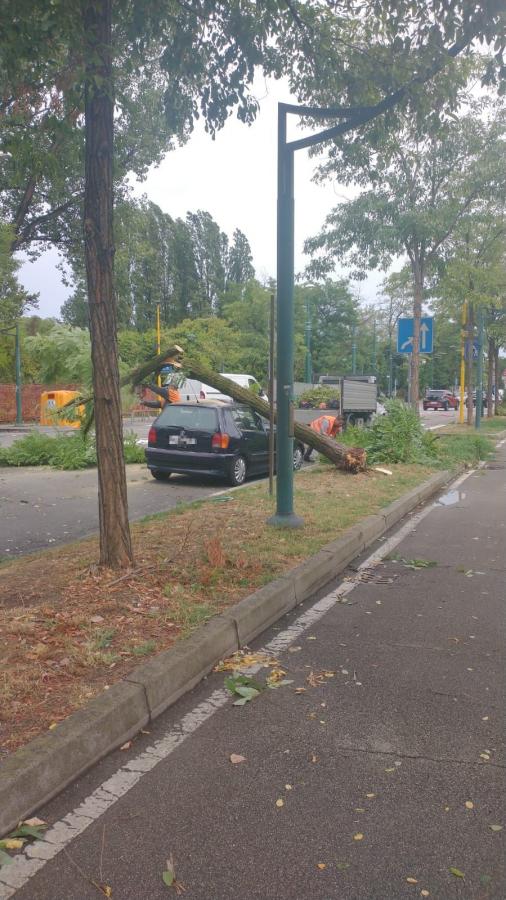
(476, 349)
(405, 329)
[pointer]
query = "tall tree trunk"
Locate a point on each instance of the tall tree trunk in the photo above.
(115, 543)
(469, 362)
(490, 378)
(497, 378)
(417, 317)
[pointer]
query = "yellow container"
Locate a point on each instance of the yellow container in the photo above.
(52, 401)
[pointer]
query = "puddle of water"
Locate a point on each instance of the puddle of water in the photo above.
(451, 498)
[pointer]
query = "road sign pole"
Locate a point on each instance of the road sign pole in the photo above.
(462, 363)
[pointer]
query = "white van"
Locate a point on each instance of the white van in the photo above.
(197, 390)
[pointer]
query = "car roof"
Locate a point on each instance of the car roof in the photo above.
(211, 404)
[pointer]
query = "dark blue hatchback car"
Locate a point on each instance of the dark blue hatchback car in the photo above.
(226, 440)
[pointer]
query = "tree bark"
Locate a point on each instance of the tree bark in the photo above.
(115, 542)
(490, 378)
(469, 362)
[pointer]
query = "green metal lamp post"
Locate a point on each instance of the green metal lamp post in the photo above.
(308, 369)
(285, 515)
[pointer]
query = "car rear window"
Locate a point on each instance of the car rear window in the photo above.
(198, 418)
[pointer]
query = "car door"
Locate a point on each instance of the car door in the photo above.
(254, 439)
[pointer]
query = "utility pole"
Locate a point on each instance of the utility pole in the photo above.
(19, 398)
(479, 371)
(285, 515)
(462, 363)
(308, 369)
(353, 349)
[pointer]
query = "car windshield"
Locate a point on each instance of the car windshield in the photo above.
(198, 418)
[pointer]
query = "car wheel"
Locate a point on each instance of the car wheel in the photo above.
(237, 471)
(298, 456)
(445, 407)
(425, 407)
(160, 475)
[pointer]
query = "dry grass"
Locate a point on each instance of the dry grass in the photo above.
(68, 629)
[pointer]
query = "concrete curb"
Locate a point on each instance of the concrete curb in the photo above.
(39, 771)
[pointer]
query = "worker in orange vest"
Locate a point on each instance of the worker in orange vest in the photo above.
(326, 425)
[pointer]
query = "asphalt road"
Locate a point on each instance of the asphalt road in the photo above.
(389, 764)
(40, 507)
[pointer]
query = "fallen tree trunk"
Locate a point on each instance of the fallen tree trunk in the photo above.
(353, 459)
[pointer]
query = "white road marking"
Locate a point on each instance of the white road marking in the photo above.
(62, 833)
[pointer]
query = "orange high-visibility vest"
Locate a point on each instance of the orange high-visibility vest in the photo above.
(328, 425)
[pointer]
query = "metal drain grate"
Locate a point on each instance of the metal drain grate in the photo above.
(369, 576)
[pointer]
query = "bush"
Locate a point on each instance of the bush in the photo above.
(395, 438)
(399, 438)
(312, 398)
(67, 452)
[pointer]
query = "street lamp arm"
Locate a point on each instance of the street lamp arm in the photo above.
(356, 116)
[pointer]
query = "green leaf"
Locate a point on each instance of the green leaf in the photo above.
(342, 866)
(240, 702)
(168, 878)
(33, 831)
(278, 684)
(456, 872)
(485, 879)
(5, 859)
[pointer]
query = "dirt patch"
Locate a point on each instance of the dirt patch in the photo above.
(68, 629)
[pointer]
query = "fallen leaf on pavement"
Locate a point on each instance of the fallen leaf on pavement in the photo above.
(236, 758)
(391, 769)
(469, 804)
(370, 796)
(294, 649)
(5, 859)
(126, 746)
(12, 844)
(424, 893)
(276, 674)
(300, 690)
(288, 787)
(322, 865)
(495, 827)
(341, 866)
(484, 756)
(242, 660)
(280, 802)
(358, 837)
(314, 758)
(412, 880)
(456, 872)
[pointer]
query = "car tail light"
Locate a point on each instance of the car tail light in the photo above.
(220, 441)
(202, 395)
(152, 435)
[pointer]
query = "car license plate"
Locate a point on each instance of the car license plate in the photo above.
(175, 440)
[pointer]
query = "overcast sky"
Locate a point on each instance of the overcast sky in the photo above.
(234, 178)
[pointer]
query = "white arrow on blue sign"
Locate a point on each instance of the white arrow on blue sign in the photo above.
(405, 329)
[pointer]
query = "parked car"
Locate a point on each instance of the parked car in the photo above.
(440, 400)
(225, 440)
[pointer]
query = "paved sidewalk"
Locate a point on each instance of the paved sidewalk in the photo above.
(390, 766)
